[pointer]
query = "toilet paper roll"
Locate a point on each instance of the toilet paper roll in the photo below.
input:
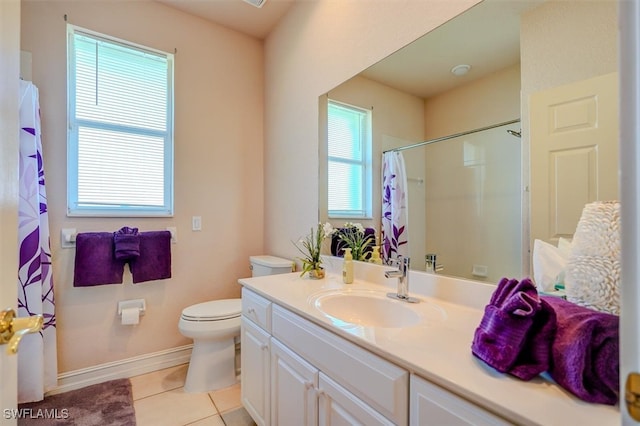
(130, 316)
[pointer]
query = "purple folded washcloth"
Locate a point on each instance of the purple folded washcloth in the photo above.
(154, 262)
(524, 335)
(95, 263)
(585, 352)
(504, 330)
(127, 243)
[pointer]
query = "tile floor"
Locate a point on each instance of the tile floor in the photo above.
(160, 400)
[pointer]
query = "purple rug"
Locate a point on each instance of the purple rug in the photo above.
(105, 404)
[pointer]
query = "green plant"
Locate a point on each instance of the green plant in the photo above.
(353, 235)
(312, 246)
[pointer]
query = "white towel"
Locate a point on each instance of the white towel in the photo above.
(593, 269)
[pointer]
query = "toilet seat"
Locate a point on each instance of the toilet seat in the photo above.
(215, 310)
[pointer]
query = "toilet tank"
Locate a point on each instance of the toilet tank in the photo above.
(270, 265)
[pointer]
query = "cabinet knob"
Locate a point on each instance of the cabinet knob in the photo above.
(264, 346)
(251, 310)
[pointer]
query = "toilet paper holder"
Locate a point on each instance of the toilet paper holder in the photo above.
(132, 303)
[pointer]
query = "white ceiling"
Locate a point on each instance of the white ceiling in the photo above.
(236, 14)
(487, 37)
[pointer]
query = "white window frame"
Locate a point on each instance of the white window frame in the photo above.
(365, 163)
(74, 208)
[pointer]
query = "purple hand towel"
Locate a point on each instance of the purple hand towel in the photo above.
(154, 262)
(95, 263)
(585, 352)
(502, 339)
(127, 243)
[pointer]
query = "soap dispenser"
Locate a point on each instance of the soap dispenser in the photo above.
(347, 267)
(375, 256)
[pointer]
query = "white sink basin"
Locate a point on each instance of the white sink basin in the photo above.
(367, 308)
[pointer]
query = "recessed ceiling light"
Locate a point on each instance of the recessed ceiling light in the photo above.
(256, 3)
(461, 69)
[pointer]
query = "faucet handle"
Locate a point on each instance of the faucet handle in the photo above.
(401, 261)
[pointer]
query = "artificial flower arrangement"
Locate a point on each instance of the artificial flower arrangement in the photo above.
(355, 238)
(311, 247)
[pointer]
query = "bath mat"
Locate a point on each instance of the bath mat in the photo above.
(105, 404)
(237, 417)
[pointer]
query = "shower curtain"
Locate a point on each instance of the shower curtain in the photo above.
(37, 359)
(394, 206)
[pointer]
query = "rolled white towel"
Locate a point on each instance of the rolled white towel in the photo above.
(598, 231)
(593, 270)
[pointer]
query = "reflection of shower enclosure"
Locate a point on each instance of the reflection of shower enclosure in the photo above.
(465, 203)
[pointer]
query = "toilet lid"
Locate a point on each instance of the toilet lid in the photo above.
(213, 310)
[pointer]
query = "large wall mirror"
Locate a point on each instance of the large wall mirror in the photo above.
(478, 201)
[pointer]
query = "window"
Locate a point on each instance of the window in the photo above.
(349, 161)
(120, 132)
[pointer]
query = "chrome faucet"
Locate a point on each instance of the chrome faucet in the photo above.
(402, 273)
(431, 264)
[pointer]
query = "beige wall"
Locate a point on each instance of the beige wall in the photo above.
(218, 172)
(397, 120)
(473, 212)
(483, 102)
(315, 47)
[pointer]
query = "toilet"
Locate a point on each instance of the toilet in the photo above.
(213, 326)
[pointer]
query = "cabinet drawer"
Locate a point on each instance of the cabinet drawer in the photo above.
(377, 382)
(431, 404)
(256, 308)
(338, 406)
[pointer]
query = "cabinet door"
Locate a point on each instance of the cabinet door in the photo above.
(338, 406)
(293, 388)
(255, 378)
(432, 405)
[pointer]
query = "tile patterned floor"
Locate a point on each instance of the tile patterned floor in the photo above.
(160, 400)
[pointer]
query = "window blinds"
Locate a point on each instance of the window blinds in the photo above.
(120, 132)
(348, 146)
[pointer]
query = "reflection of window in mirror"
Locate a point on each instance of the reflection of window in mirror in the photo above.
(349, 161)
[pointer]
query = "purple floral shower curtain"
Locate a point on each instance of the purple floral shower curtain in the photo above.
(37, 359)
(394, 206)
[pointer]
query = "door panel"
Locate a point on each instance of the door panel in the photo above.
(574, 153)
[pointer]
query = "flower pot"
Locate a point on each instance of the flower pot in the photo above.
(316, 274)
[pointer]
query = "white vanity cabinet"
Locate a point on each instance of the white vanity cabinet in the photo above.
(255, 357)
(433, 405)
(295, 372)
(294, 384)
(338, 406)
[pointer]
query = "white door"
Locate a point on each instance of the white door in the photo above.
(629, 12)
(9, 122)
(574, 153)
(293, 388)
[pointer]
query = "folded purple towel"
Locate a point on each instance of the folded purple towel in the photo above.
(154, 262)
(585, 353)
(127, 243)
(524, 335)
(95, 263)
(503, 332)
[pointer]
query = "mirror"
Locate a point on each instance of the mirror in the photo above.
(515, 49)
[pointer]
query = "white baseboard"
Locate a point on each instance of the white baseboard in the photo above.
(121, 369)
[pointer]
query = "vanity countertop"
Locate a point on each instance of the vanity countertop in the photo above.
(439, 350)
